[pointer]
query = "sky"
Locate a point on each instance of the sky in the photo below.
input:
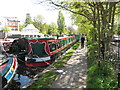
(19, 8)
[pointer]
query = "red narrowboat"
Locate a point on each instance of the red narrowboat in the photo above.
(38, 51)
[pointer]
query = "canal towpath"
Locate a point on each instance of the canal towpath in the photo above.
(74, 74)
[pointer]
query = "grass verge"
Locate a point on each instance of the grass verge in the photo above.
(102, 76)
(47, 78)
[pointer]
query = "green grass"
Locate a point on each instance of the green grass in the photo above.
(48, 78)
(63, 60)
(45, 81)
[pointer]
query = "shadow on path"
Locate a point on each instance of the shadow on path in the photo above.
(75, 71)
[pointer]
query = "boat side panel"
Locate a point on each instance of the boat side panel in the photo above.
(12, 70)
(64, 43)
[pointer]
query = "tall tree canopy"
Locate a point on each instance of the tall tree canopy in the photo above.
(100, 14)
(38, 22)
(52, 29)
(61, 23)
(28, 19)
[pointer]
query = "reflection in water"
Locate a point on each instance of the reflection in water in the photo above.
(23, 76)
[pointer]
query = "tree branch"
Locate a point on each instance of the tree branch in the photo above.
(58, 5)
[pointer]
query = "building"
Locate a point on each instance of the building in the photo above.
(10, 23)
(13, 23)
(28, 31)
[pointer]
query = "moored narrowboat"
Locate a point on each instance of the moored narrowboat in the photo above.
(8, 67)
(38, 51)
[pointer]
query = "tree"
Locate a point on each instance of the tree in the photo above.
(39, 19)
(84, 25)
(39, 22)
(52, 29)
(61, 23)
(45, 28)
(71, 29)
(5, 28)
(28, 19)
(100, 14)
(21, 27)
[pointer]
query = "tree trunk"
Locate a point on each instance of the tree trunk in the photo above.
(98, 28)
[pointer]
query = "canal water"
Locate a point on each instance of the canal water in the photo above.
(23, 76)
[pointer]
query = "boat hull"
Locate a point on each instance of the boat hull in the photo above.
(8, 71)
(36, 64)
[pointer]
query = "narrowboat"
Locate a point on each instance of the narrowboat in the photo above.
(8, 66)
(38, 51)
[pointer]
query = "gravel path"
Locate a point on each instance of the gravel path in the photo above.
(74, 73)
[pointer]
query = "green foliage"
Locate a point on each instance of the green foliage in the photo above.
(83, 24)
(39, 18)
(21, 27)
(5, 28)
(99, 77)
(44, 28)
(66, 31)
(52, 29)
(61, 23)
(97, 15)
(28, 19)
(40, 24)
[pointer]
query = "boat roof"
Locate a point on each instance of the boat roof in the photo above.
(39, 38)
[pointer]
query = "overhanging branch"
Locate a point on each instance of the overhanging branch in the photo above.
(58, 5)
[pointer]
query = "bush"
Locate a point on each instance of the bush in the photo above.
(100, 77)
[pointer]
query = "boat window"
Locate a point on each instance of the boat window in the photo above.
(38, 36)
(27, 35)
(52, 46)
(58, 44)
(31, 35)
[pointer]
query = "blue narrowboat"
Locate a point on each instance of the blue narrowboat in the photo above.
(8, 66)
